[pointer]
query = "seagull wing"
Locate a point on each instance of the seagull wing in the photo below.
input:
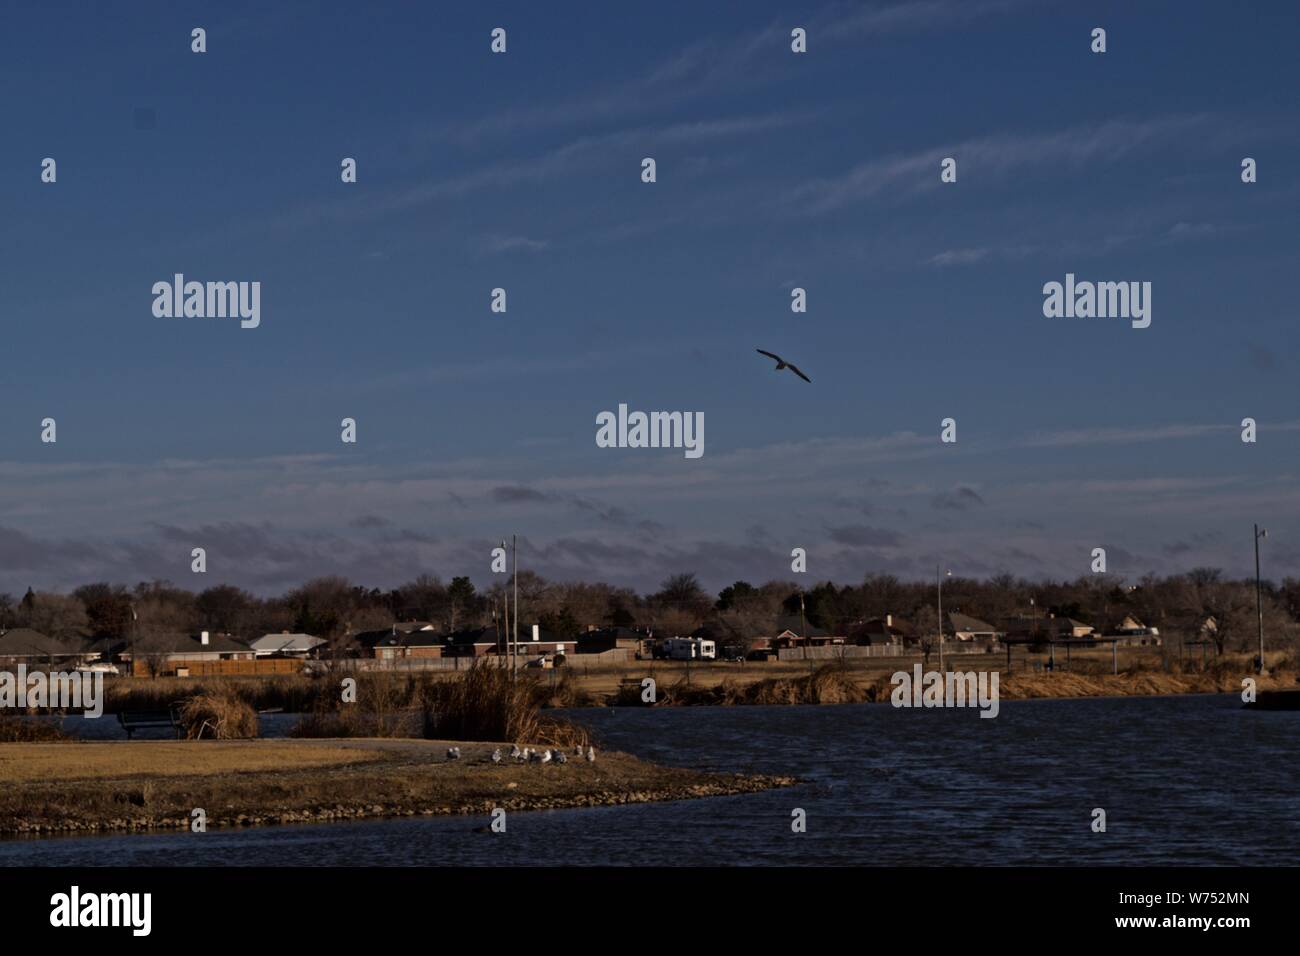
(799, 373)
(769, 355)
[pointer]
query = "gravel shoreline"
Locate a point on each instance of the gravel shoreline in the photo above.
(399, 778)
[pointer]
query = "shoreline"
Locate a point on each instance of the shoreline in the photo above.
(314, 781)
(831, 685)
(708, 685)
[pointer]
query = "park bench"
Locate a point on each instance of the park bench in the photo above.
(133, 720)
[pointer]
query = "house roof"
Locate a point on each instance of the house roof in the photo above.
(878, 625)
(176, 643)
(286, 643)
(790, 622)
(26, 642)
(485, 635)
(610, 633)
(1069, 622)
(964, 622)
(395, 636)
(489, 635)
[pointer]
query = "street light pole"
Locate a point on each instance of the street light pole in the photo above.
(938, 581)
(1259, 600)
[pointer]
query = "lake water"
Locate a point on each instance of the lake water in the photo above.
(1183, 780)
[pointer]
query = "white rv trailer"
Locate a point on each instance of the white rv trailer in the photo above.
(689, 649)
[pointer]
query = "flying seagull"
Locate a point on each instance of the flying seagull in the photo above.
(782, 363)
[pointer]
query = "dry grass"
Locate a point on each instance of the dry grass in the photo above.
(487, 703)
(481, 703)
(31, 762)
(219, 714)
(829, 684)
(23, 729)
(134, 786)
(296, 693)
(391, 703)
(386, 705)
(1219, 677)
(569, 692)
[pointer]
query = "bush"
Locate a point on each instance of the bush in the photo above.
(28, 730)
(218, 714)
(486, 703)
(387, 705)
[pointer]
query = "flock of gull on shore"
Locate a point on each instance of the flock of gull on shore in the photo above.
(529, 755)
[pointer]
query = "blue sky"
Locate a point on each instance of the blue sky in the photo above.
(522, 171)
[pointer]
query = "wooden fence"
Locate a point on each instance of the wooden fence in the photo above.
(834, 652)
(265, 665)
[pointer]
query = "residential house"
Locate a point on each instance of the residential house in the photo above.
(882, 630)
(534, 641)
(1067, 628)
(158, 654)
(597, 640)
(402, 640)
(790, 631)
(286, 644)
(1026, 625)
(963, 627)
(22, 645)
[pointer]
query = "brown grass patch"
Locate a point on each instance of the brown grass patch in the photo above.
(487, 703)
(24, 729)
(36, 762)
(219, 714)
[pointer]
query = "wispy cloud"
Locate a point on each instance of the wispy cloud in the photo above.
(1181, 231)
(500, 244)
(569, 159)
(714, 65)
(1125, 436)
(990, 158)
(960, 257)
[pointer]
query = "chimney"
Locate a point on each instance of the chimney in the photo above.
(203, 637)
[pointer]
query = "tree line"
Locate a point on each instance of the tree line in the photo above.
(337, 609)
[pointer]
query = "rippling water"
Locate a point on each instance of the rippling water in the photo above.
(1183, 780)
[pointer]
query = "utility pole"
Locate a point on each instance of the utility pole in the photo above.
(505, 611)
(1259, 600)
(496, 625)
(938, 581)
(803, 633)
(514, 663)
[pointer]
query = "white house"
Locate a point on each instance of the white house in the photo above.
(285, 644)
